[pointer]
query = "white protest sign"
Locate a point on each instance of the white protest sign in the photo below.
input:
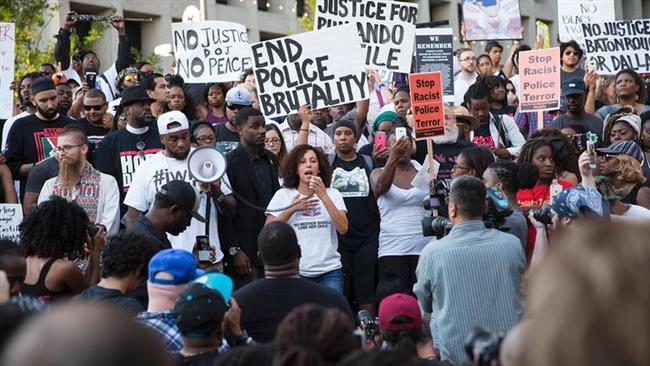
(11, 215)
(321, 68)
(614, 46)
(210, 51)
(573, 13)
(7, 55)
(387, 29)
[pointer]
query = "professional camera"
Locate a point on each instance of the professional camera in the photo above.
(486, 343)
(542, 214)
(369, 324)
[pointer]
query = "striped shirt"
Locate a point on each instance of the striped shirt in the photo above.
(470, 278)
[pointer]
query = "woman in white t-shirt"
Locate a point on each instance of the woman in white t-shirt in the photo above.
(317, 218)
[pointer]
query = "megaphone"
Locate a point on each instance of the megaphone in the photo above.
(206, 164)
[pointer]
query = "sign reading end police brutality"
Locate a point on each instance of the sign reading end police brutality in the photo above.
(426, 103)
(387, 29)
(540, 80)
(321, 68)
(211, 51)
(614, 46)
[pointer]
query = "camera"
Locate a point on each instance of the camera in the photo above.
(369, 324)
(542, 214)
(482, 346)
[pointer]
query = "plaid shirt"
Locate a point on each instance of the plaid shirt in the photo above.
(527, 122)
(164, 323)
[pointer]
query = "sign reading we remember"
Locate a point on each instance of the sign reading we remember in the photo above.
(11, 215)
(539, 73)
(211, 51)
(573, 13)
(7, 54)
(321, 68)
(426, 103)
(434, 51)
(387, 29)
(614, 46)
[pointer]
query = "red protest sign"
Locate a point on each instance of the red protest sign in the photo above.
(426, 104)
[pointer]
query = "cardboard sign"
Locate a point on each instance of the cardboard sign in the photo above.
(573, 13)
(7, 55)
(491, 20)
(434, 51)
(387, 29)
(211, 51)
(426, 103)
(11, 215)
(540, 80)
(322, 68)
(614, 46)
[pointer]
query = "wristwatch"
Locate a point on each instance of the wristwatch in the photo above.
(243, 339)
(233, 250)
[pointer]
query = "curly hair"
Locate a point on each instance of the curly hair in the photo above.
(528, 150)
(565, 153)
(126, 252)
(314, 335)
(629, 169)
(642, 93)
(514, 176)
(292, 160)
(573, 44)
(478, 158)
(54, 229)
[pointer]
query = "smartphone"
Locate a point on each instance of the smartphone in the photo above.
(591, 150)
(91, 79)
(400, 132)
(203, 244)
(380, 140)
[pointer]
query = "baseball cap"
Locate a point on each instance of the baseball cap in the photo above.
(578, 201)
(397, 305)
(629, 148)
(239, 96)
(218, 282)
(200, 311)
(180, 264)
(573, 86)
(41, 83)
(166, 119)
(184, 195)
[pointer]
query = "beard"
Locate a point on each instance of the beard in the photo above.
(47, 113)
(450, 137)
(69, 172)
(64, 108)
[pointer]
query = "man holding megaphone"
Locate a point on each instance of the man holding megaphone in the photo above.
(172, 164)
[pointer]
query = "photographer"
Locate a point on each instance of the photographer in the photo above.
(470, 260)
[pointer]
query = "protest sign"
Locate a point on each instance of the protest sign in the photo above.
(11, 215)
(426, 103)
(7, 54)
(321, 68)
(434, 51)
(491, 20)
(539, 72)
(614, 46)
(387, 29)
(543, 34)
(210, 51)
(573, 13)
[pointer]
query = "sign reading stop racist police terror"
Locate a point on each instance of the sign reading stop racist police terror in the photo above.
(321, 68)
(540, 80)
(387, 29)
(211, 51)
(614, 46)
(426, 103)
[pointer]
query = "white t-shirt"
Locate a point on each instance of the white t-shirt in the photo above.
(157, 171)
(315, 231)
(7, 127)
(637, 212)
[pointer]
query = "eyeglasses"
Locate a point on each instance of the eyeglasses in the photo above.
(140, 145)
(272, 141)
(466, 59)
(95, 107)
(206, 139)
(65, 148)
(234, 107)
(456, 166)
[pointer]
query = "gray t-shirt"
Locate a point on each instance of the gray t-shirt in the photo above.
(589, 122)
(517, 225)
(46, 169)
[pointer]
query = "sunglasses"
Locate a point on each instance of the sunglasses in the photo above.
(95, 107)
(575, 53)
(234, 107)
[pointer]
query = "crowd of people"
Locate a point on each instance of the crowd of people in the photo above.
(323, 245)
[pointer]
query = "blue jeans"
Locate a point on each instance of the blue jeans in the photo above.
(332, 279)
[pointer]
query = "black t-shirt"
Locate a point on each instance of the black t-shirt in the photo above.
(118, 155)
(445, 154)
(202, 359)
(509, 110)
(110, 296)
(226, 139)
(267, 301)
(589, 122)
(483, 137)
(40, 173)
(352, 179)
(95, 133)
(145, 228)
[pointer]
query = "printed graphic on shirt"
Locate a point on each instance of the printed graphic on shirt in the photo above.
(46, 141)
(163, 176)
(352, 183)
(130, 161)
(226, 146)
(484, 141)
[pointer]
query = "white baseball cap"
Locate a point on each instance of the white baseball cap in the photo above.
(166, 119)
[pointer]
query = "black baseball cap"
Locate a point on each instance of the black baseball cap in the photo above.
(184, 195)
(573, 86)
(200, 311)
(40, 84)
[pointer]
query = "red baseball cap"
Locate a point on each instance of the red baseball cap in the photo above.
(397, 305)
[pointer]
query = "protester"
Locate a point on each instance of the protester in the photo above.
(402, 102)
(124, 261)
(181, 100)
(401, 325)
(573, 92)
(465, 123)
(253, 174)
(65, 98)
(617, 207)
(571, 56)
(203, 134)
(26, 105)
(400, 210)
(44, 170)
(384, 122)
(317, 213)
(630, 92)
(255, 101)
(605, 93)
(297, 129)
(621, 162)
(511, 95)
(52, 236)
(494, 50)
(565, 154)
(78, 181)
(471, 259)
(498, 97)
(622, 125)
(644, 142)
(472, 161)
(126, 78)
(14, 265)
(215, 109)
(227, 133)
(528, 121)
(274, 142)
(466, 76)
(484, 65)
(96, 122)
(158, 91)
(122, 151)
(266, 302)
